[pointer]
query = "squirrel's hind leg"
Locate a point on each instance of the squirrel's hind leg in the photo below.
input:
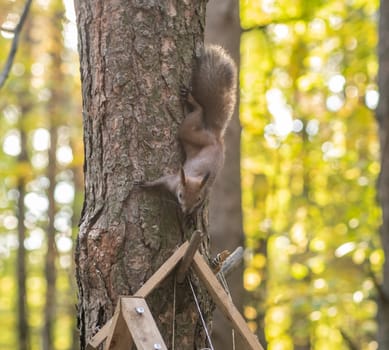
(192, 130)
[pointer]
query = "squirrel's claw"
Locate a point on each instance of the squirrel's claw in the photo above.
(185, 91)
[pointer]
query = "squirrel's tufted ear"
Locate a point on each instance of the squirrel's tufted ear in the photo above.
(205, 179)
(182, 175)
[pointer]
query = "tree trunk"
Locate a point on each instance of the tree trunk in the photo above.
(55, 43)
(382, 114)
(22, 92)
(135, 56)
(223, 28)
(50, 269)
(23, 329)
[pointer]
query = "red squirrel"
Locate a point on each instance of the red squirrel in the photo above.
(209, 107)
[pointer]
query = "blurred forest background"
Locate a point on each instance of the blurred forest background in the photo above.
(310, 160)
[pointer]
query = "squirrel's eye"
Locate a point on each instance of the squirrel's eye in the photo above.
(199, 199)
(180, 195)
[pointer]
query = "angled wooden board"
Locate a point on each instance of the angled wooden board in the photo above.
(142, 326)
(119, 337)
(155, 280)
(224, 303)
(144, 291)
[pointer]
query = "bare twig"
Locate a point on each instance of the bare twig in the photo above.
(8, 30)
(348, 340)
(378, 286)
(232, 261)
(15, 42)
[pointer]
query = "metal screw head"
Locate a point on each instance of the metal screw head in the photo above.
(157, 346)
(140, 310)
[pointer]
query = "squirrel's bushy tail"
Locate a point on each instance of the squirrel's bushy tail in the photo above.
(214, 87)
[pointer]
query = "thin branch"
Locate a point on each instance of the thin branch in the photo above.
(8, 30)
(283, 20)
(378, 286)
(348, 340)
(15, 42)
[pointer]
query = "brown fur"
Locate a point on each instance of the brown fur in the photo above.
(209, 109)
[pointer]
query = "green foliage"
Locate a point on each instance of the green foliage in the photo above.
(309, 168)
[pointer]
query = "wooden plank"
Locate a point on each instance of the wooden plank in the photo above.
(187, 259)
(100, 336)
(141, 324)
(113, 322)
(143, 292)
(119, 337)
(224, 303)
(162, 272)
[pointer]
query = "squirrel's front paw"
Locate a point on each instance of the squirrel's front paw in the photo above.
(185, 91)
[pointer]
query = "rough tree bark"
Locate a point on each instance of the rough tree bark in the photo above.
(382, 114)
(226, 231)
(134, 57)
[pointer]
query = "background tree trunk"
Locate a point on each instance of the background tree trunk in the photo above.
(223, 28)
(23, 329)
(55, 112)
(134, 58)
(383, 184)
(51, 254)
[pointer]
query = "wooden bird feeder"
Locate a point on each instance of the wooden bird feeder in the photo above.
(133, 323)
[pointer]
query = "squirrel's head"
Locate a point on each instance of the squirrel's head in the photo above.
(191, 192)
